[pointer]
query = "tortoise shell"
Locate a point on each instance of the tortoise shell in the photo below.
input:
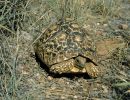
(66, 48)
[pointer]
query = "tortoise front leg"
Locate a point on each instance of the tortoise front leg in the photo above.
(93, 70)
(67, 66)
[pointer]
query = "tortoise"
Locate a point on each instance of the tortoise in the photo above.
(66, 48)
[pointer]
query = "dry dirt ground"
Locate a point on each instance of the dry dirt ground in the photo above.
(34, 82)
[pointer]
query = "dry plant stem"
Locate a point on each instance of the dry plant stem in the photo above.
(41, 17)
(124, 84)
(14, 67)
(1, 26)
(29, 1)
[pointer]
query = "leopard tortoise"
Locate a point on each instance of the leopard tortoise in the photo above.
(66, 48)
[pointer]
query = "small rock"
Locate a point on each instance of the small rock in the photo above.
(62, 97)
(67, 83)
(75, 97)
(98, 23)
(128, 58)
(105, 89)
(128, 91)
(105, 25)
(49, 78)
(123, 26)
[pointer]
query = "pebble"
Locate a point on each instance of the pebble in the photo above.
(75, 97)
(105, 89)
(98, 23)
(62, 97)
(128, 58)
(128, 91)
(67, 83)
(105, 25)
(49, 78)
(123, 26)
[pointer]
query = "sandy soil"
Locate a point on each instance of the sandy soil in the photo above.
(113, 50)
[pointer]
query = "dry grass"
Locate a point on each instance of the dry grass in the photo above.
(31, 16)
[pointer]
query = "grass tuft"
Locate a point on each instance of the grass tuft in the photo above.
(32, 16)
